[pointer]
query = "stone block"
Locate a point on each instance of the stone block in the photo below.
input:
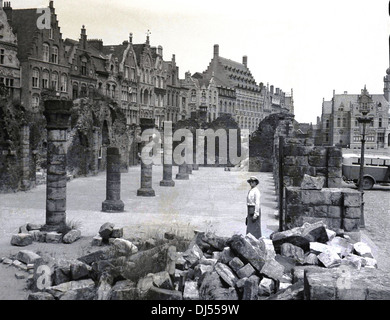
(350, 225)
(334, 223)
(310, 259)
(97, 241)
(191, 291)
(162, 280)
(79, 270)
(335, 212)
(342, 246)
(163, 294)
(329, 258)
(352, 198)
(316, 161)
(293, 196)
(251, 288)
(246, 271)
(266, 287)
(296, 240)
(331, 234)
(97, 255)
(61, 272)
(273, 270)
(21, 239)
(124, 247)
(192, 255)
(294, 252)
(117, 233)
(33, 226)
(74, 290)
(72, 236)
(236, 264)
(124, 290)
(53, 237)
(226, 274)
(200, 270)
(353, 213)
(362, 249)
(249, 250)
(312, 183)
(318, 247)
(211, 282)
(319, 211)
(37, 296)
(106, 230)
(35, 234)
(315, 232)
(28, 257)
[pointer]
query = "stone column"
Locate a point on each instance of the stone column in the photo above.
(183, 174)
(113, 202)
(57, 115)
(95, 151)
(167, 156)
(25, 156)
(146, 189)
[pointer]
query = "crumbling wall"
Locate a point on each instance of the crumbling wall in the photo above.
(338, 208)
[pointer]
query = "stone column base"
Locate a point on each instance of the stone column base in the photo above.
(167, 183)
(182, 176)
(145, 192)
(53, 228)
(189, 168)
(113, 206)
(195, 167)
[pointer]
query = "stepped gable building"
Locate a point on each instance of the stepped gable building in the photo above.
(9, 62)
(340, 127)
(41, 53)
(173, 103)
(231, 75)
(202, 95)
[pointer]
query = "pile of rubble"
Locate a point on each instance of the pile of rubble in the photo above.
(35, 232)
(309, 262)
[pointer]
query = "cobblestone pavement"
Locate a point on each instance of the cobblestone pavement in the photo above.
(377, 220)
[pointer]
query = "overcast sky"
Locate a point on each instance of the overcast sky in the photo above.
(313, 47)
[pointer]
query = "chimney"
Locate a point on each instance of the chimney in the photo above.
(51, 6)
(272, 89)
(173, 58)
(245, 61)
(277, 91)
(83, 38)
(160, 50)
(131, 37)
(8, 11)
(216, 50)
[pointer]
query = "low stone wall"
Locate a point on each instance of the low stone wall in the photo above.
(337, 208)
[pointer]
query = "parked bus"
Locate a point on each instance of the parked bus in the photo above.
(376, 169)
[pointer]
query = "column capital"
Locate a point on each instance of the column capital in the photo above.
(57, 114)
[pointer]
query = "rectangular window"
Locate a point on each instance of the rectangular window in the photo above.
(381, 137)
(132, 74)
(46, 52)
(64, 83)
(35, 78)
(2, 56)
(54, 55)
(126, 72)
(124, 93)
(84, 68)
(54, 81)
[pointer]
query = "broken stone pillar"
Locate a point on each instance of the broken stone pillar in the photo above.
(167, 156)
(57, 113)
(183, 173)
(95, 150)
(113, 202)
(25, 155)
(146, 189)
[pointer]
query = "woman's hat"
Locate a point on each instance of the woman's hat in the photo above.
(253, 178)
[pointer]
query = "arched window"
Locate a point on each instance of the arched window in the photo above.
(193, 96)
(380, 122)
(35, 101)
(64, 83)
(45, 79)
(35, 78)
(75, 90)
(54, 81)
(54, 55)
(338, 122)
(83, 90)
(46, 52)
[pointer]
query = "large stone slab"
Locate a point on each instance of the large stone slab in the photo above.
(124, 290)
(193, 254)
(74, 290)
(266, 287)
(72, 236)
(28, 257)
(249, 250)
(341, 245)
(329, 258)
(362, 249)
(251, 288)
(22, 239)
(312, 183)
(226, 274)
(273, 270)
(294, 252)
(124, 247)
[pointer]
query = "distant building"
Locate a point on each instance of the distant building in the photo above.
(9, 62)
(41, 53)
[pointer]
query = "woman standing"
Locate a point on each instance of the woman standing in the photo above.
(253, 223)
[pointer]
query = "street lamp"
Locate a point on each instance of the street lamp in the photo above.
(364, 107)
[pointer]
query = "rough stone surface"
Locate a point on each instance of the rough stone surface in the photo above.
(329, 258)
(251, 288)
(193, 254)
(296, 240)
(362, 249)
(191, 291)
(315, 232)
(124, 247)
(331, 234)
(33, 226)
(236, 264)
(22, 239)
(318, 247)
(117, 233)
(61, 272)
(291, 251)
(97, 241)
(53, 237)
(72, 236)
(40, 296)
(201, 269)
(341, 245)
(74, 290)
(272, 269)
(311, 259)
(162, 280)
(226, 255)
(124, 290)
(246, 271)
(293, 292)
(209, 286)
(79, 270)
(266, 287)
(106, 230)
(226, 274)
(28, 257)
(312, 183)
(164, 294)
(249, 249)
(97, 255)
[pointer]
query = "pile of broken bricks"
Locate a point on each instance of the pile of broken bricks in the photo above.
(35, 232)
(309, 262)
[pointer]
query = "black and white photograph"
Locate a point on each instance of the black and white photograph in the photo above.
(194, 157)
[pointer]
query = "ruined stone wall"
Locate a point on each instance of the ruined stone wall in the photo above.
(337, 208)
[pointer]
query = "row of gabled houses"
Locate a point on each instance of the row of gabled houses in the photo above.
(35, 62)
